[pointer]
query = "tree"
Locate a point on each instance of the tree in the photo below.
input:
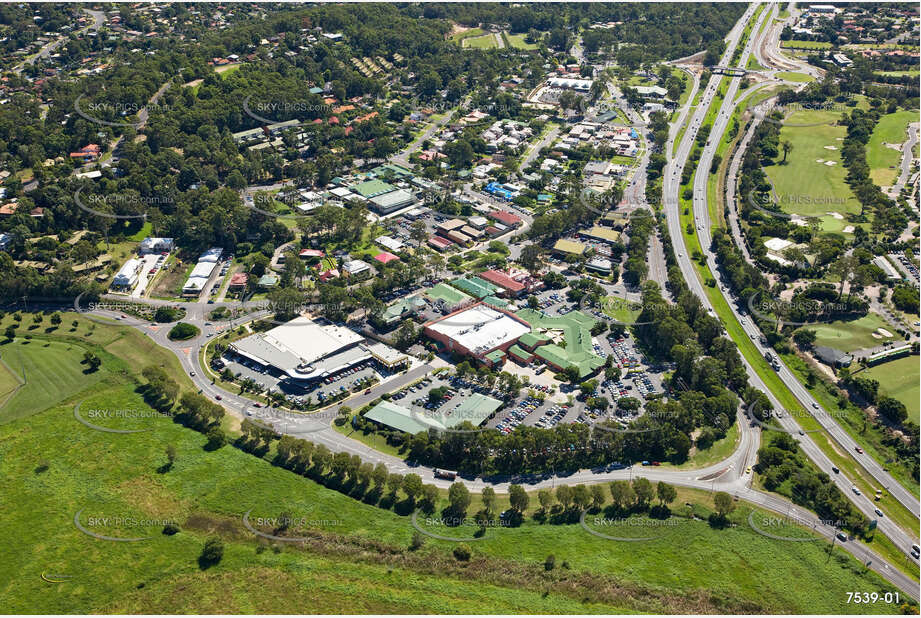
(622, 494)
(564, 495)
(459, 498)
(56, 318)
(723, 503)
(644, 491)
(598, 497)
(787, 148)
(412, 486)
(666, 493)
(488, 496)
(170, 456)
(893, 409)
(545, 499)
(380, 475)
(89, 358)
(518, 498)
(10, 332)
(211, 552)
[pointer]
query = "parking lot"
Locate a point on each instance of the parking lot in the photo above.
(272, 380)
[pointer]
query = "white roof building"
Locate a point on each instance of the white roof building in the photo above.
(356, 267)
(479, 329)
(127, 276)
(390, 243)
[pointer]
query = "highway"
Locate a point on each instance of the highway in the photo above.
(729, 475)
(671, 188)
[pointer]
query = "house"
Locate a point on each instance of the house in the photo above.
(155, 245)
(506, 218)
(88, 153)
(127, 276)
(385, 257)
(438, 243)
(238, 281)
(5, 240)
(510, 286)
(832, 356)
(310, 255)
(356, 269)
(389, 243)
(268, 280)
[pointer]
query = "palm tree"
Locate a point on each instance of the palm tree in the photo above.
(787, 148)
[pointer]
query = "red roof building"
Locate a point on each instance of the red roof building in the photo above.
(385, 257)
(439, 243)
(309, 254)
(503, 216)
(238, 280)
(511, 287)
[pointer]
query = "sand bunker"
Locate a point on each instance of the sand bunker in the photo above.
(885, 333)
(836, 215)
(830, 163)
(875, 336)
(820, 160)
(849, 229)
(831, 148)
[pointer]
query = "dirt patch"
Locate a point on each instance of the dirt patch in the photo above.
(147, 495)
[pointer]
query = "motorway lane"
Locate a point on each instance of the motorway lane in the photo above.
(875, 469)
(902, 539)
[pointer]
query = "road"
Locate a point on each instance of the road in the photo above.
(402, 157)
(98, 19)
(534, 151)
(671, 188)
(729, 475)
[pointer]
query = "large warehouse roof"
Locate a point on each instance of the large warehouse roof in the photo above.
(298, 342)
(480, 328)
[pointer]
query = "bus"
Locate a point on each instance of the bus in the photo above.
(445, 474)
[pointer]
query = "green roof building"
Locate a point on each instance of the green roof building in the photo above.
(372, 188)
(447, 294)
(476, 287)
(476, 408)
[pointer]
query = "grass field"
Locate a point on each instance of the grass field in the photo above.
(803, 185)
(52, 372)
(791, 76)
(884, 161)
(518, 41)
(806, 44)
(463, 34)
(621, 309)
(356, 559)
(900, 379)
(851, 335)
(486, 41)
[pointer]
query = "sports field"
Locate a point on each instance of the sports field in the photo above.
(900, 379)
(518, 41)
(883, 160)
(486, 41)
(811, 182)
(851, 335)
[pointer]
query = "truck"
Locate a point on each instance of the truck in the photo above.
(445, 474)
